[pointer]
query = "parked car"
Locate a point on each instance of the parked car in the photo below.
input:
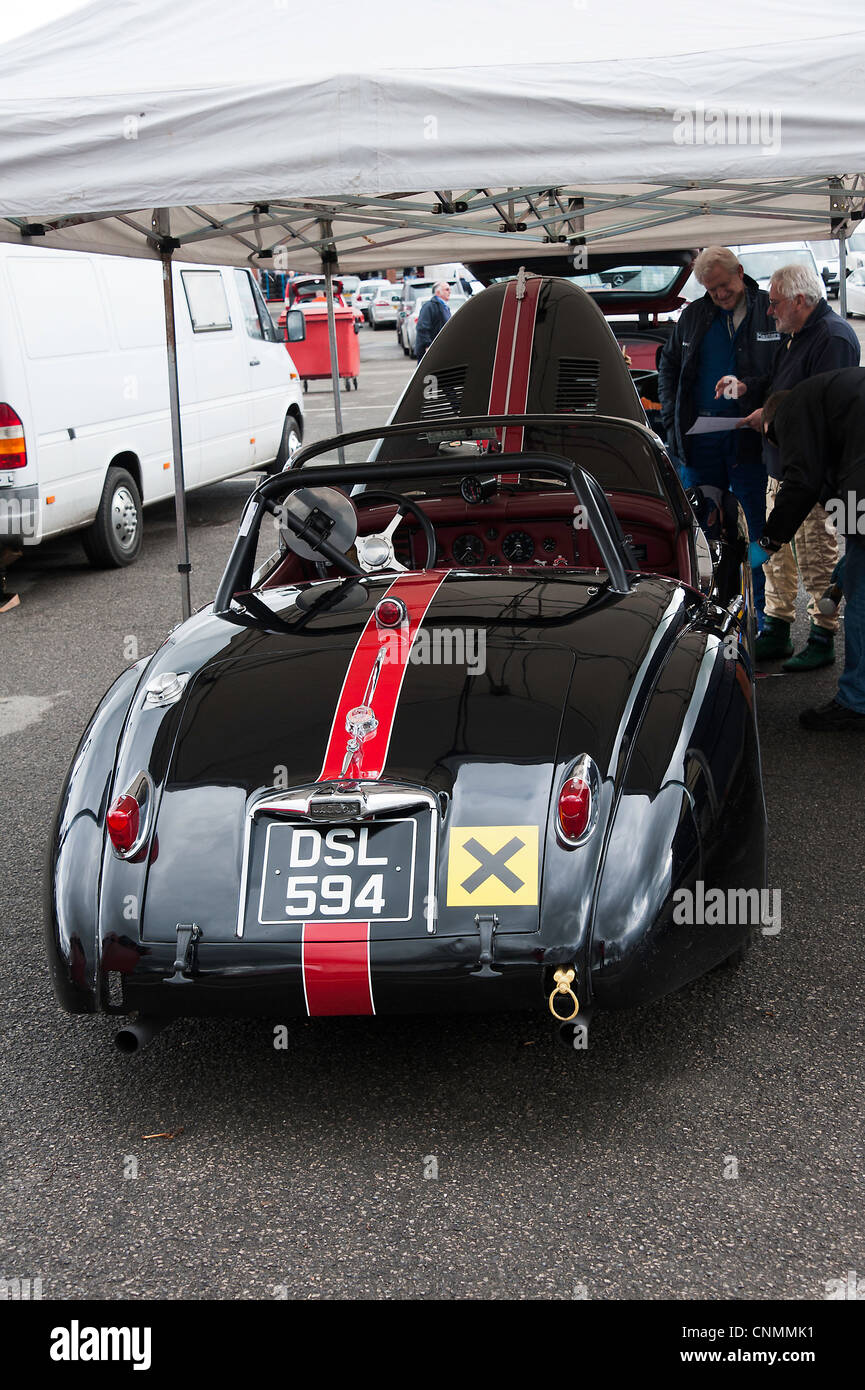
(382, 308)
(417, 289)
(412, 291)
(366, 292)
(856, 293)
(350, 285)
(640, 297)
(826, 256)
(855, 251)
(409, 328)
(84, 414)
(483, 740)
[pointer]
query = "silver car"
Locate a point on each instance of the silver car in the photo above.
(409, 326)
(382, 308)
(366, 292)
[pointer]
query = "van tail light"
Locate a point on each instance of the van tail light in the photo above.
(130, 816)
(13, 450)
(579, 802)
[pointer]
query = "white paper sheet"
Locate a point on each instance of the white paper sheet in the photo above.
(711, 424)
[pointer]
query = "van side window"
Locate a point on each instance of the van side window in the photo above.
(251, 316)
(271, 332)
(248, 305)
(259, 323)
(205, 295)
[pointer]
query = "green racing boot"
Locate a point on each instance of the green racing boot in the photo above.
(774, 641)
(818, 651)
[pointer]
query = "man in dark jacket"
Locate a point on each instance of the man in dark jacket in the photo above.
(819, 429)
(816, 340)
(434, 314)
(726, 336)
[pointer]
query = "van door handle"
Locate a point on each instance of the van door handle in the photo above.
(255, 362)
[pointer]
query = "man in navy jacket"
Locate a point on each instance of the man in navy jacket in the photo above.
(725, 336)
(434, 314)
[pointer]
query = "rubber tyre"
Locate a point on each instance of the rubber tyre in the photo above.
(288, 445)
(737, 958)
(114, 538)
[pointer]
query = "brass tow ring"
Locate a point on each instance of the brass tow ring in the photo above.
(563, 980)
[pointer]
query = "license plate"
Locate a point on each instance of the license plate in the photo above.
(338, 873)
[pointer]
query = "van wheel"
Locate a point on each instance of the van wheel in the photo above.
(288, 446)
(114, 538)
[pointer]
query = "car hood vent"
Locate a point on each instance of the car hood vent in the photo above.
(577, 387)
(443, 393)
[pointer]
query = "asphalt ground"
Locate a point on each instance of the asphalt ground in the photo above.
(709, 1147)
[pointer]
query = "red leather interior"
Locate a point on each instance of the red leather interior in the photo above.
(491, 529)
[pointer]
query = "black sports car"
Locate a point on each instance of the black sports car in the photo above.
(463, 741)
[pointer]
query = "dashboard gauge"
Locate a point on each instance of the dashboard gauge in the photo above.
(474, 489)
(518, 547)
(468, 550)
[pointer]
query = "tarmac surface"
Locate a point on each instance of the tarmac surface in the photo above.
(709, 1147)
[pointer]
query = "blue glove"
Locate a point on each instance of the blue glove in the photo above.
(756, 554)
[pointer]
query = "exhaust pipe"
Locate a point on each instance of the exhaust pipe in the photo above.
(137, 1035)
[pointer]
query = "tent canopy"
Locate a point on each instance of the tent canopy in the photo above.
(448, 133)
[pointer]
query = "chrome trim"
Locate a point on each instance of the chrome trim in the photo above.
(343, 801)
(673, 609)
(586, 770)
(143, 783)
(705, 565)
(165, 688)
(737, 607)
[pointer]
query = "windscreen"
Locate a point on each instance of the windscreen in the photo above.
(620, 458)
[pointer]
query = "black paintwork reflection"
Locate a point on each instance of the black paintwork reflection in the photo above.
(679, 760)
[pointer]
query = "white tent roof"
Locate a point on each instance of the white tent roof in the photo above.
(629, 123)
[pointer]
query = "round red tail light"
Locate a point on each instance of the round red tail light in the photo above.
(390, 612)
(575, 808)
(123, 823)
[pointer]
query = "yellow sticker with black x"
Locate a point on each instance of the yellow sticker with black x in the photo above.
(493, 866)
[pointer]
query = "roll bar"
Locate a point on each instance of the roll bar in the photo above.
(602, 520)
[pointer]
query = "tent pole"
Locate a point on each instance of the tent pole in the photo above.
(328, 256)
(842, 274)
(183, 565)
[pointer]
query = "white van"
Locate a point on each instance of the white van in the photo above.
(85, 434)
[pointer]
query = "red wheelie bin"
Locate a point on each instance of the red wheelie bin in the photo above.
(311, 357)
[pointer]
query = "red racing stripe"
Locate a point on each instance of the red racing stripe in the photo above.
(524, 333)
(417, 592)
(509, 387)
(336, 974)
(504, 352)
